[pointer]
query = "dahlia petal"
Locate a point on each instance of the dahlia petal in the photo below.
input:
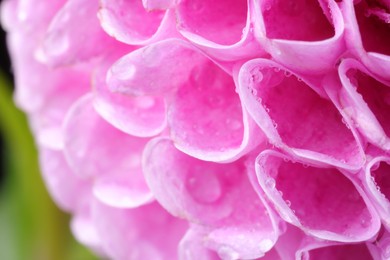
(111, 156)
(84, 229)
(295, 32)
(336, 252)
(209, 94)
(141, 116)
(157, 4)
(136, 26)
(321, 201)
(367, 34)
(137, 73)
(73, 36)
(308, 126)
(378, 185)
(67, 189)
(365, 100)
(191, 246)
(120, 192)
(140, 233)
(202, 192)
(222, 29)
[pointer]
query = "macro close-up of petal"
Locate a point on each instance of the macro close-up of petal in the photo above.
(193, 129)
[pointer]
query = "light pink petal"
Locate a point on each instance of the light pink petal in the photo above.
(206, 117)
(67, 189)
(84, 229)
(222, 29)
(377, 180)
(321, 201)
(366, 101)
(307, 126)
(298, 32)
(95, 149)
(216, 196)
(367, 34)
(147, 232)
(192, 247)
(136, 25)
(157, 4)
(157, 69)
(136, 115)
(74, 35)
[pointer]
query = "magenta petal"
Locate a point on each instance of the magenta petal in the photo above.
(135, 26)
(84, 229)
(191, 246)
(366, 101)
(156, 69)
(207, 95)
(218, 197)
(74, 34)
(157, 4)
(147, 232)
(141, 116)
(336, 252)
(377, 179)
(222, 29)
(67, 189)
(321, 201)
(305, 36)
(307, 126)
(367, 34)
(95, 149)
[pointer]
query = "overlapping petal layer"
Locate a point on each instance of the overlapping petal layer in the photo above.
(240, 129)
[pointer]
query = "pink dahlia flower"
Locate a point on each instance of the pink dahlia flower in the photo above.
(240, 129)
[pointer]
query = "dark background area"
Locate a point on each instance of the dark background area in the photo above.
(5, 68)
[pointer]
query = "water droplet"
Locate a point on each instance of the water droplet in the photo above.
(305, 166)
(287, 73)
(228, 253)
(276, 69)
(204, 187)
(270, 183)
(288, 203)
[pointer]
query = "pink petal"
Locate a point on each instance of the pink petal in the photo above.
(216, 196)
(157, 4)
(378, 185)
(74, 35)
(191, 246)
(67, 189)
(308, 126)
(222, 29)
(95, 149)
(368, 34)
(157, 69)
(210, 94)
(136, 115)
(336, 252)
(135, 26)
(321, 201)
(147, 232)
(365, 100)
(319, 37)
